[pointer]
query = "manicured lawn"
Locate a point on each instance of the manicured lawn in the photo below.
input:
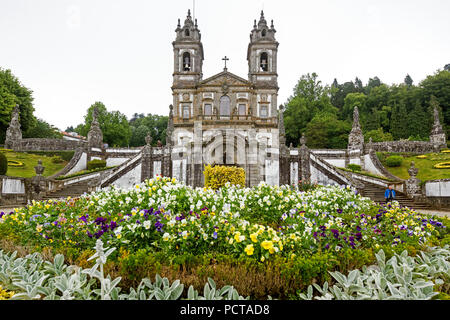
(425, 166)
(30, 161)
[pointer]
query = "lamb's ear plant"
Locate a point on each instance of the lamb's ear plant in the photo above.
(401, 277)
(107, 286)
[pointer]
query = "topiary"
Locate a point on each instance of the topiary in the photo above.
(96, 163)
(3, 164)
(354, 167)
(217, 176)
(394, 161)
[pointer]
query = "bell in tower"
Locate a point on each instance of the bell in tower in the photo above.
(262, 53)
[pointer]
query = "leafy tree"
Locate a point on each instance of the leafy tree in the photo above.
(114, 125)
(309, 98)
(351, 101)
(42, 129)
(399, 126)
(325, 130)
(438, 85)
(372, 83)
(154, 124)
(417, 124)
(378, 135)
(12, 92)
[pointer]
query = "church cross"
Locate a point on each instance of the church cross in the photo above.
(225, 59)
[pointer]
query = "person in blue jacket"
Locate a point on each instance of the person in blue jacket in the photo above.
(389, 194)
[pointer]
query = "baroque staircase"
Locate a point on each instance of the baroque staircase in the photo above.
(376, 193)
(72, 190)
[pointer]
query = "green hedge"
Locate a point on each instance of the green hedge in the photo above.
(354, 167)
(65, 155)
(394, 161)
(3, 164)
(95, 164)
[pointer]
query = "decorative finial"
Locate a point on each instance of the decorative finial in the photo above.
(179, 24)
(303, 140)
(39, 169)
(271, 24)
(254, 24)
(189, 13)
(148, 139)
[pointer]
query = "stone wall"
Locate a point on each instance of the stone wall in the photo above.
(38, 144)
(402, 146)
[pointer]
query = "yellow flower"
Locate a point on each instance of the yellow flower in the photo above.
(39, 228)
(293, 256)
(266, 244)
(262, 259)
(254, 237)
(249, 249)
(119, 236)
(231, 241)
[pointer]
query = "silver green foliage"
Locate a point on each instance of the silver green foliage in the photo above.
(33, 278)
(400, 278)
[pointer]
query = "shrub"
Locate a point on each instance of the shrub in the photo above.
(95, 164)
(354, 167)
(217, 176)
(57, 159)
(394, 161)
(3, 164)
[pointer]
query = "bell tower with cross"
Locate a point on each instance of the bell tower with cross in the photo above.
(187, 53)
(262, 54)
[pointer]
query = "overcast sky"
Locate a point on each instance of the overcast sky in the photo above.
(73, 53)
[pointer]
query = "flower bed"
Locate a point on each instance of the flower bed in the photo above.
(276, 228)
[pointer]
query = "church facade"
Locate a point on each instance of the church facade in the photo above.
(225, 119)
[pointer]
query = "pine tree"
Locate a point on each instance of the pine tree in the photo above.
(408, 80)
(417, 122)
(399, 125)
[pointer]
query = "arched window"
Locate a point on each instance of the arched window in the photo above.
(224, 108)
(264, 61)
(186, 32)
(263, 33)
(186, 61)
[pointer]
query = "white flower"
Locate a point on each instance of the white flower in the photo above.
(147, 224)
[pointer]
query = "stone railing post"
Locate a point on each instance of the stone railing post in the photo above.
(38, 182)
(304, 161)
(412, 185)
(147, 163)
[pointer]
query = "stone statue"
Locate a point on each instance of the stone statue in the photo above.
(356, 138)
(95, 135)
(13, 133)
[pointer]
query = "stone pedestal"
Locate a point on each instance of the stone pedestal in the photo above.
(413, 188)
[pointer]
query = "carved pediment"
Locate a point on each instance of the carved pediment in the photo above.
(225, 79)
